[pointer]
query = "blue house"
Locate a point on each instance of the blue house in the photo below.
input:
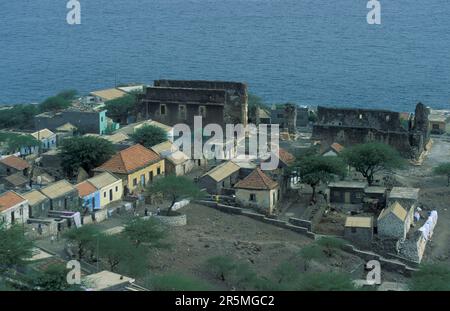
(89, 195)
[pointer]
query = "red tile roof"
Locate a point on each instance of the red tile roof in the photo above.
(15, 162)
(9, 199)
(337, 147)
(257, 180)
(130, 160)
(85, 188)
(286, 157)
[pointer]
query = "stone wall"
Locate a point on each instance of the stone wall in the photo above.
(173, 221)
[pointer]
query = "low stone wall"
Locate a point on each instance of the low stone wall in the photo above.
(172, 221)
(303, 227)
(100, 215)
(48, 229)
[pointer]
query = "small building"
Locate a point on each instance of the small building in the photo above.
(136, 166)
(46, 137)
(407, 197)
(333, 150)
(12, 164)
(438, 123)
(106, 95)
(359, 229)
(258, 190)
(165, 148)
(133, 127)
(89, 195)
(347, 192)
(222, 176)
(110, 188)
(178, 163)
(16, 181)
(106, 281)
(63, 196)
(39, 204)
(393, 221)
(13, 208)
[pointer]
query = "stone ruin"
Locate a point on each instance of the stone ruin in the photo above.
(349, 126)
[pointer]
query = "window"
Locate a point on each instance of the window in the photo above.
(388, 117)
(135, 182)
(182, 112)
(360, 116)
(158, 171)
(104, 194)
(117, 188)
(252, 197)
(353, 229)
(202, 111)
(162, 109)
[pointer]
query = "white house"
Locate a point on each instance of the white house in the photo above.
(13, 208)
(47, 138)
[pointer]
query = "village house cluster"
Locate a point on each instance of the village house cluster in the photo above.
(35, 192)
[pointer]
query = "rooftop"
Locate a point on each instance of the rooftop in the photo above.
(109, 94)
(16, 179)
(42, 134)
(164, 147)
(85, 188)
(404, 193)
(34, 197)
(58, 189)
(222, 171)
(10, 199)
(395, 209)
(375, 189)
(359, 222)
(102, 180)
(348, 184)
(105, 280)
(129, 160)
(15, 162)
(286, 157)
(257, 180)
(177, 157)
(337, 147)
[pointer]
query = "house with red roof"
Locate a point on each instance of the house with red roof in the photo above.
(89, 195)
(258, 190)
(137, 166)
(13, 208)
(333, 150)
(12, 164)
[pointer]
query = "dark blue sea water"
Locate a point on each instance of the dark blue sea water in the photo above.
(308, 51)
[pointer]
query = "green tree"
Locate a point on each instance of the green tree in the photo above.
(149, 232)
(114, 249)
(15, 248)
(174, 188)
(68, 94)
(309, 253)
(221, 267)
(54, 103)
(18, 116)
(54, 278)
(431, 277)
(120, 108)
(371, 158)
(87, 152)
(149, 135)
(16, 141)
(443, 169)
(83, 238)
(330, 244)
(325, 281)
(255, 102)
(314, 170)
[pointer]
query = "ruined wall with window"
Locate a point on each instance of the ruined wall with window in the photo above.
(236, 102)
(178, 105)
(355, 126)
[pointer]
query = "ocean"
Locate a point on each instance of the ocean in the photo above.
(312, 52)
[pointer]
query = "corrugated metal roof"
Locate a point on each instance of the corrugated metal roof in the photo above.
(222, 171)
(58, 189)
(102, 180)
(34, 197)
(164, 147)
(359, 222)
